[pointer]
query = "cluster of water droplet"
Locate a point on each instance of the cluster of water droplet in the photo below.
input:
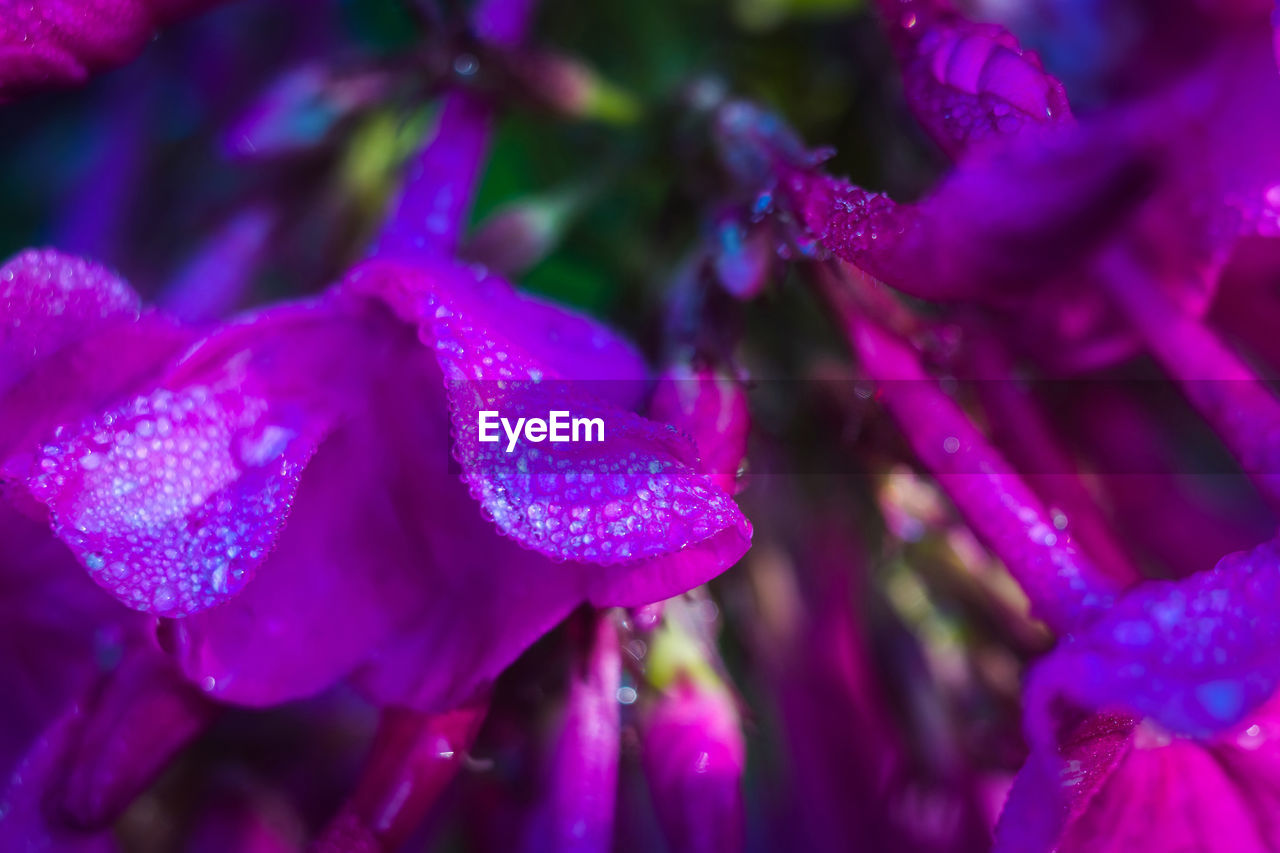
(49, 299)
(624, 498)
(607, 506)
(170, 500)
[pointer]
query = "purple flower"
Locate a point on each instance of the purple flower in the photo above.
(176, 496)
(365, 501)
(1033, 209)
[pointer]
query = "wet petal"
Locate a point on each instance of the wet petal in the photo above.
(386, 570)
(352, 567)
(354, 562)
(73, 340)
(1000, 224)
(559, 342)
(48, 300)
(171, 500)
(1195, 655)
(633, 493)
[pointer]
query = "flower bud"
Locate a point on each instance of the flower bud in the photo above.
(694, 756)
(572, 88)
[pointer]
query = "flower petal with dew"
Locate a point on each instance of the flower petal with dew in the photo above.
(1194, 655)
(638, 495)
(173, 498)
(73, 339)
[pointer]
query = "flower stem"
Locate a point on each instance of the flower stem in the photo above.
(435, 201)
(1226, 390)
(413, 759)
(1065, 589)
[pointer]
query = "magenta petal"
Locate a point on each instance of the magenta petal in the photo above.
(635, 495)
(58, 631)
(24, 824)
(59, 43)
(386, 568)
(1117, 787)
(123, 732)
(711, 408)
(581, 784)
(1063, 584)
(487, 601)
(172, 500)
(351, 567)
(559, 342)
(1000, 224)
(1195, 655)
(48, 300)
(73, 340)
(411, 762)
(349, 570)
(1046, 796)
(80, 381)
